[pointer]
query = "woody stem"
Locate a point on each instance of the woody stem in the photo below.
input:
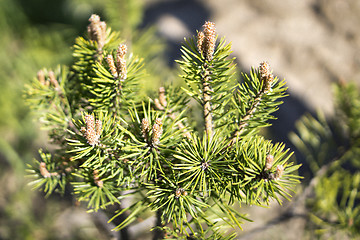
(206, 103)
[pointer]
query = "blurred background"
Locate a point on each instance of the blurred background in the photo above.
(310, 43)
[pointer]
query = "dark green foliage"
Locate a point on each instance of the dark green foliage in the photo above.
(94, 155)
(50, 182)
(221, 69)
(105, 93)
(252, 99)
(114, 144)
(255, 181)
(86, 55)
(204, 164)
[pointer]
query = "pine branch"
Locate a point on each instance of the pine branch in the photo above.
(206, 46)
(207, 104)
(266, 81)
(119, 146)
(208, 75)
(249, 113)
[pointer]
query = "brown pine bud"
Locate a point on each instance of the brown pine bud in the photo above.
(94, 23)
(157, 131)
(279, 172)
(122, 50)
(102, 38)
(264, 70)
(266, 76)
(41, 77)
(97, 30)
(91, 135)
(90, 122)
(120, 61)
(158, 121)
(145, 127)
(83, 131)
(162, 97)
(122, 68)
(200, 42)
(210, 39)
(178, 192)
(158, 104)
(53, 80)
(43, 170)
(97, 179)
(269, 162)
(111, 63)
(94, 19)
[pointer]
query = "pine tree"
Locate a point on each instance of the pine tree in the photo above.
(191, 173)
(331, 148)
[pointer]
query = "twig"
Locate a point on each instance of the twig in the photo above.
(266, 79)
(207, 103)
(158, 232)
(248, 115)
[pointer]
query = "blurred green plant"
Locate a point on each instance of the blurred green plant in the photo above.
(37, 34)
(332, 149)
(25, 48)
